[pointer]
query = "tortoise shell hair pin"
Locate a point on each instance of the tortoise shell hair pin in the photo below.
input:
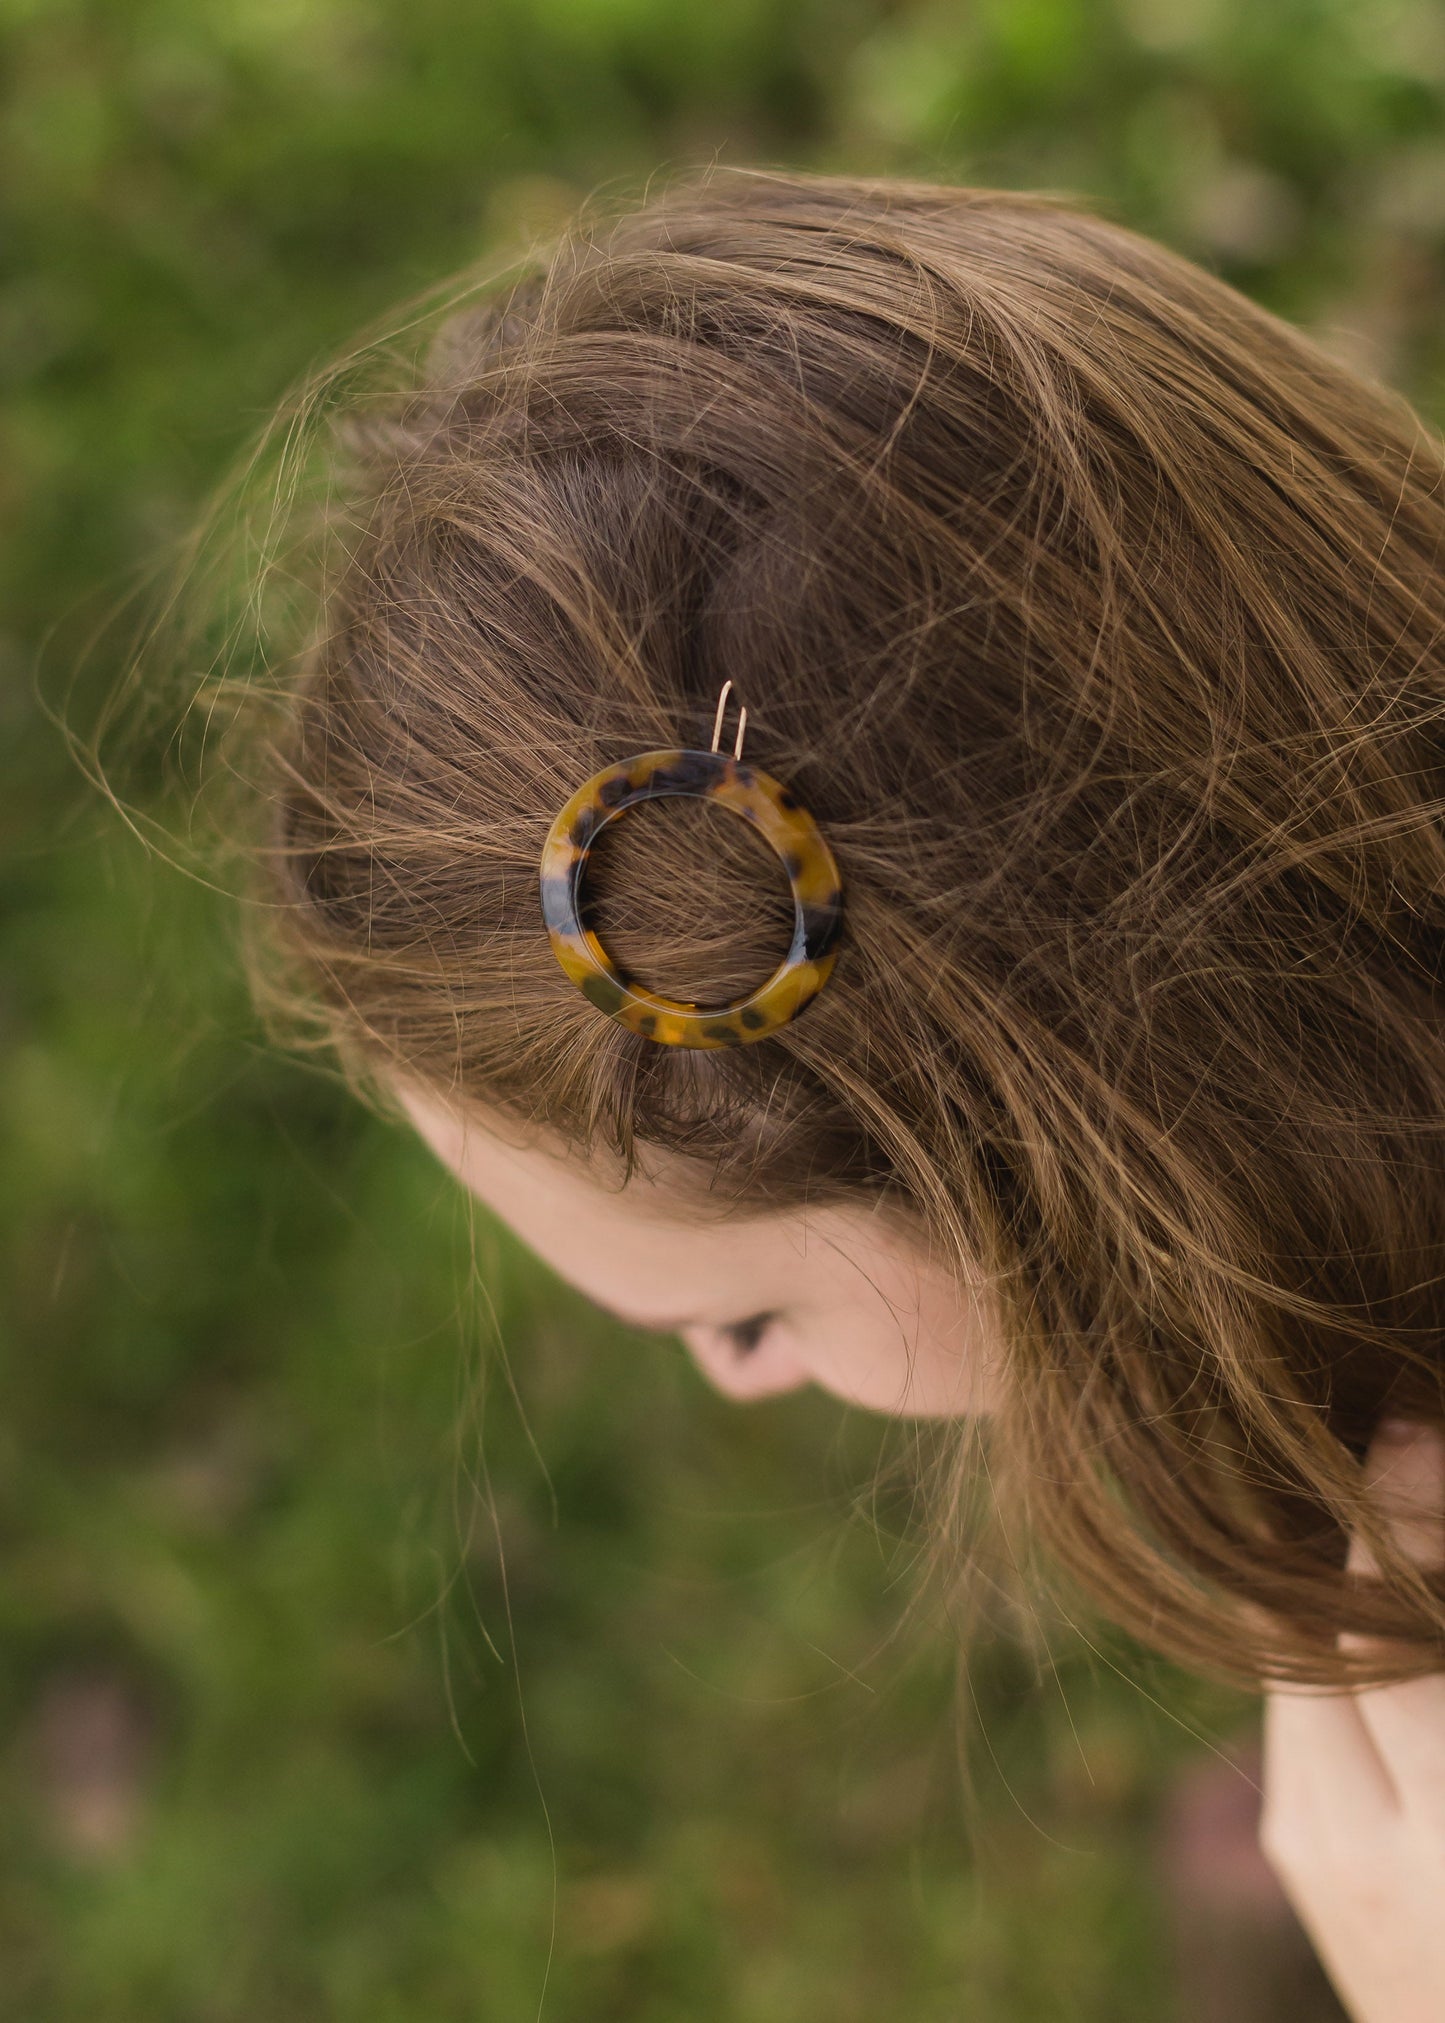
(775, 812)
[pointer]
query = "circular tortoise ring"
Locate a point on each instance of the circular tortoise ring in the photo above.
(774, 810)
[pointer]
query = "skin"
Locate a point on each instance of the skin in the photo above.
(1353, 1822)
(1353, 1815)
(858, 1310)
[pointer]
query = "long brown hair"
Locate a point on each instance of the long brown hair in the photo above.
(1099, 617)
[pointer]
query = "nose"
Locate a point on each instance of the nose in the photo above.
(763, 1372)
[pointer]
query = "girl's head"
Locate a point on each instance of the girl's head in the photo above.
(1099, 618)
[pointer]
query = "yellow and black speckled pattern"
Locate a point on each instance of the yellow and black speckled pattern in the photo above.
(776, 813)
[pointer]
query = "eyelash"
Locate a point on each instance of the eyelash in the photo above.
(746, 1335)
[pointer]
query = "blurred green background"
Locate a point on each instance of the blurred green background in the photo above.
(341, 1676)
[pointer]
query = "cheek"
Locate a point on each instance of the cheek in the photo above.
(930, 1357)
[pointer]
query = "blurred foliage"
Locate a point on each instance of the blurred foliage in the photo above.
(354, 1666)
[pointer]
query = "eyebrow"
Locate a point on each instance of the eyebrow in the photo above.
(664, 1327)
(675, 1326)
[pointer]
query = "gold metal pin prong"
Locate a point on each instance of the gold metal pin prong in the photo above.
(722, 703)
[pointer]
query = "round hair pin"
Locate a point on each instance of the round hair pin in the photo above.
(775, 812)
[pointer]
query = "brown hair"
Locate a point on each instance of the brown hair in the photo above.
(1097, 615)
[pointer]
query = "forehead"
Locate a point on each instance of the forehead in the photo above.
(643, 1247)
(494, 1159)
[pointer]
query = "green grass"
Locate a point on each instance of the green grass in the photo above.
(338, 1681)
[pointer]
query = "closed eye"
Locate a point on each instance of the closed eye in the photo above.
(745, 1335)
